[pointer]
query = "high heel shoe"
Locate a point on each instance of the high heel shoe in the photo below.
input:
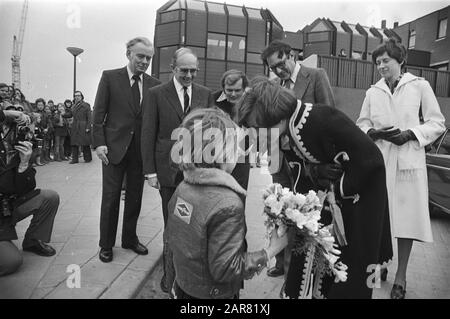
(383, 274)
(398, 291)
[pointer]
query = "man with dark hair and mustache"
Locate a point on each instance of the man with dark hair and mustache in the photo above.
(117, 140)
(164, 108)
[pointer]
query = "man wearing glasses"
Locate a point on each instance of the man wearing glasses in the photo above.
(164, 108)
(310, 86)
(117, 141)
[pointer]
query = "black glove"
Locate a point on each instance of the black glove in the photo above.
(324, 174)
(402, 137)
(383, 133)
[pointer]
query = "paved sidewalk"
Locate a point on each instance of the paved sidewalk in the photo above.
(75, 238)
(76, 235)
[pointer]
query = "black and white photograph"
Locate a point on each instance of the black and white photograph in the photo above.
(240, 152)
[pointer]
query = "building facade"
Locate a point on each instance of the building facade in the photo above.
(223, 36)
(430, 34)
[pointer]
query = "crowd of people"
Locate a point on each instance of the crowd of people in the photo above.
(380, 183)
(58, 130)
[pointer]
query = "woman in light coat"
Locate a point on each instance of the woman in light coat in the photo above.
(401, 114)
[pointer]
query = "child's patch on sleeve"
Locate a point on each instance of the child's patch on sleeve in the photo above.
(183, 210)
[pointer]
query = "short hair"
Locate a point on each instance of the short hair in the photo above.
(230, 77)
(50, 101)
(39, 100)
(275, 46)
(197, 123)
(179, 53)
(270, 103)
(393, 48)
(67, 101)
(82, 96)
(137, 40)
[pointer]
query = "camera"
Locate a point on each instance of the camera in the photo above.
(25, 133)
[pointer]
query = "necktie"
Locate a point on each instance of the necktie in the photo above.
(135, 90)
(186, 101)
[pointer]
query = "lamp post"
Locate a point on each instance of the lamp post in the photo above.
(75, 52)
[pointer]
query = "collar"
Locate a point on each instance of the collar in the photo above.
(179, 87)
(212, 177)
(130, 74)
(406, 78)
(222, 97)
(295, 72)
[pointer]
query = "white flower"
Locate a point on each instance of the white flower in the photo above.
(331, 258)
(299, 199)
(312, 225)
(270, 200)
(276, 208)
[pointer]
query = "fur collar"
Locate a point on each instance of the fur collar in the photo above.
(212, 177)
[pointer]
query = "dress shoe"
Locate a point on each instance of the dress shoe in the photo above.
(398, 292)
(383, 274)
(275, 272)
(106, 255)
(138, 248)
(73, 162)
(40, 248)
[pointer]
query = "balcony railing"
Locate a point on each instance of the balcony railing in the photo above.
(360, 74)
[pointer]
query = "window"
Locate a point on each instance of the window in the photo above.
(442, 28)
(216, 8)
(254, 58)
(412, 39)
(216, 46)
(235, 11)
(318, 36)
(445, 145)
(170, 16)
(236, 48)
(165, 58)
(198, 51)
(357, 55)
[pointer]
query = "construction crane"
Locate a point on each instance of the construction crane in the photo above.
(17, 47)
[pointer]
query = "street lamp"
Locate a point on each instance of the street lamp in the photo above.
(75, 52)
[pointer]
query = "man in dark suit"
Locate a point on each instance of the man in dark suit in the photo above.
(117, 140)
(310, 86)
(164, 108)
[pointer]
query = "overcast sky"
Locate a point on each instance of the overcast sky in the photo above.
(102, 27)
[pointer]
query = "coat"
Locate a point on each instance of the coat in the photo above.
(116, 118)
(406, 173)
(206, 233)
(162, 113)
(317, 134)
(81, 113)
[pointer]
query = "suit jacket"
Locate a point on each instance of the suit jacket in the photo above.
(116, 118)
(162, 113)
(313, 86)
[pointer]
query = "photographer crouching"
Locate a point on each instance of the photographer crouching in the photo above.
(19, 197)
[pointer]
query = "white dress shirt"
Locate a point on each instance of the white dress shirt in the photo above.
(180, 92)
(140, 84)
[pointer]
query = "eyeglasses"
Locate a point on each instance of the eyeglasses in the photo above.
(186, 70)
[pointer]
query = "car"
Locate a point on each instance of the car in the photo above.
(438, 169)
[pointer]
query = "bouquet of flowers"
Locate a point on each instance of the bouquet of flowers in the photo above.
(284, 209)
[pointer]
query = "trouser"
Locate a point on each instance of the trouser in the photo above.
(59, 147)
(87, 155)
(43, 207)
(67, 146)
(112, 180)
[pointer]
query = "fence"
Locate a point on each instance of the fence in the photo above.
(360, 74)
